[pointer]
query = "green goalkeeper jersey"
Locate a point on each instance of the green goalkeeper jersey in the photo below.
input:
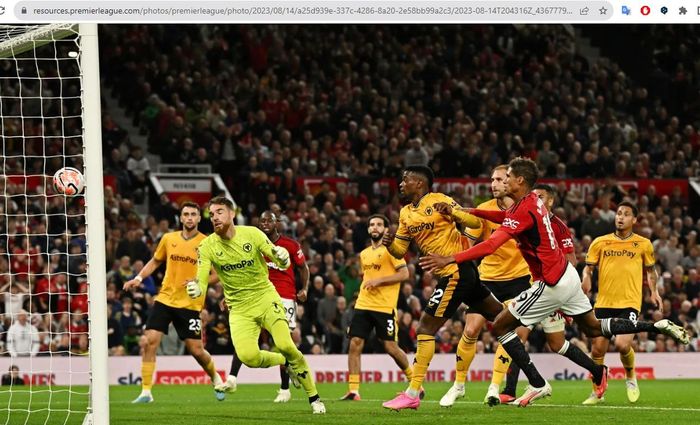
(240, 265)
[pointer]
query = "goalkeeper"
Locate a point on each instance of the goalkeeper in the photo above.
(236, 253)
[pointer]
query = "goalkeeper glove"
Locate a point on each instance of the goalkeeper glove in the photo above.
(193, 289)
(282, 255)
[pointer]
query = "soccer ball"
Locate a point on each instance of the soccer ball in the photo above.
(68, 181)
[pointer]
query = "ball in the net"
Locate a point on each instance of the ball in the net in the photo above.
(68, 181)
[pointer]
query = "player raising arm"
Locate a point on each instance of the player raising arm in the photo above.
(554, 325)
(506, 274)
(238, 253)
(179, 252)
(429, 221)
(285, 284)
(557, 284)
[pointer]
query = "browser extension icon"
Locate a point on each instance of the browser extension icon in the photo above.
(626, 10)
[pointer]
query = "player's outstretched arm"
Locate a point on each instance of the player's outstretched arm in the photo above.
(147, 270)
(492, 216)
(434, 261)
(458, 214)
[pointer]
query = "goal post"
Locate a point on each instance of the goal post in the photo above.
(95, 221)
(50, 117)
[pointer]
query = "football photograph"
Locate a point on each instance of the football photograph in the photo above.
(349, 222)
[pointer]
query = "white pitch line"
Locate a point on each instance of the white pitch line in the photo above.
(673, 409)
(662, 409)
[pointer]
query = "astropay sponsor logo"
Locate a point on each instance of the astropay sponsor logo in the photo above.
(419, 228)
(237, 266)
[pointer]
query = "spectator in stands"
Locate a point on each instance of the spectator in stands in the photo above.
(416, 154)
(301, 113)
(12, 377)
(327, 314)
(22, 337)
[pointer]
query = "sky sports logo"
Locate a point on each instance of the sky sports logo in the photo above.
(172, 377)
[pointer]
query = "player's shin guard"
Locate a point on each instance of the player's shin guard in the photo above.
(210, 368)
(512, 379)
(424, 354)
(304, 375)
(466, 350)
(147, 369)
(599, 361)
(284, 379)
(409, 373)
(616, 326)
(354, 382)
(236, 364)
(297, 362)
(628, 363)
(577, 356)
(515, 348)
(501, 362)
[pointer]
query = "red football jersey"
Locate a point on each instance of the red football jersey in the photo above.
(562, 234)
(284, 279)
(528, 222)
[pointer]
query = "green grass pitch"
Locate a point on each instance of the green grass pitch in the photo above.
(662, 403)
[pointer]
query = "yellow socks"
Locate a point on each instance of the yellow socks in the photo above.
(628, 363)
(466, 350)
(409, 373)
(211, 371)
(424, 354)
(147, 369)
(354, 382)
(501, 362)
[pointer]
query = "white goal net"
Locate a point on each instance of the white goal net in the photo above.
(50, 318)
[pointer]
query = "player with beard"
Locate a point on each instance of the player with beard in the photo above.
(375, 308)
(430, 221)
(238, 255)
(506, 275)
(557, 284)
(178, 250)
(285, 284)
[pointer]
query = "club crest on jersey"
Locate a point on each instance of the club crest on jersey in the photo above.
(428, 211)
(247, 247)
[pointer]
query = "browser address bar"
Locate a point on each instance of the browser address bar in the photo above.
(281, 11)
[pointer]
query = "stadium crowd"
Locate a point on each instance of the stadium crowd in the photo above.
(266, 105)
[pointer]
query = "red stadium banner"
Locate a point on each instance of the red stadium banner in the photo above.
(471, 186)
